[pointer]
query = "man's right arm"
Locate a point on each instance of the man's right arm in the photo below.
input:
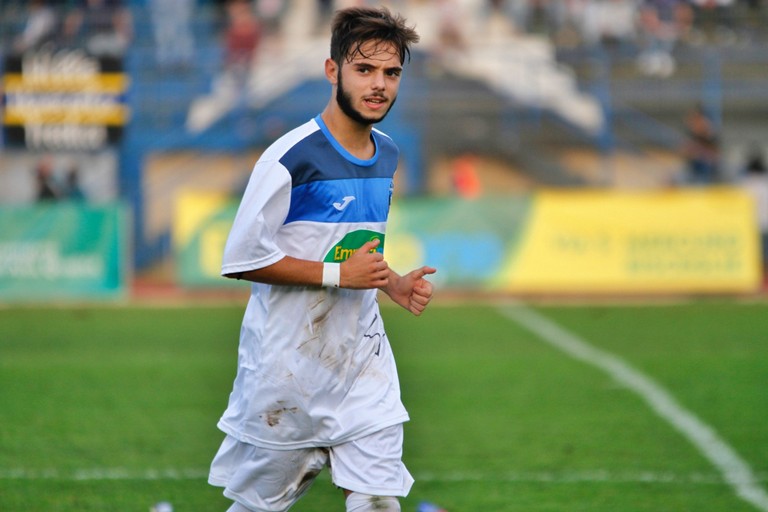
(363, 270)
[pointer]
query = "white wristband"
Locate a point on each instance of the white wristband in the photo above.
(331, 275)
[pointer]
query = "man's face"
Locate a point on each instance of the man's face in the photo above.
(368, 83)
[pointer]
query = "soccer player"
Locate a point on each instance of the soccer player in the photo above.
(316, 384)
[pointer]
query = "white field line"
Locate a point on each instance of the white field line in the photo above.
(560, 477)
(586, 476)
(734, 470)
(91, 474)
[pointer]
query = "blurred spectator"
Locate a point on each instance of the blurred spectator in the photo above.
(73, 191)
(609, 22)
(701, 149)
(39, 27)
(271, 13)
(519, 12)
(466, 182)
(174, 44)
(241, 39)
(103, 27)
(662, 24)
(715, 20)
(324, 12)
(47, 189)
(541, 16)
(752, 18)
(755, 181)
(451, 37)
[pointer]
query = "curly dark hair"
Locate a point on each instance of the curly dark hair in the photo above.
(353, 27)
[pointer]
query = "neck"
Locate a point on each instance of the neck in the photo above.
(353, 136)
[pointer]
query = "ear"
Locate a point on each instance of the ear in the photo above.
(331, 70)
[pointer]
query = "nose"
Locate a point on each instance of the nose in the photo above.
(378, 82)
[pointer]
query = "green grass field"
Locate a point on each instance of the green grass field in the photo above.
(114, 408)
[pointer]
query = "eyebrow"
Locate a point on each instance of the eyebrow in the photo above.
(369, 65)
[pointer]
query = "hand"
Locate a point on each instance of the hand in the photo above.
(365, 269)
(411, 291)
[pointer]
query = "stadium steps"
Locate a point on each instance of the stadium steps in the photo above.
(736, 74)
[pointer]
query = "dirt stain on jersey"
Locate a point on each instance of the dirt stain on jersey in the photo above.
(315, 344)
(274, 416)
(379, 503)
(319, 311)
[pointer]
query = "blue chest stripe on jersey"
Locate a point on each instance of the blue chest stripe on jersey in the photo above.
(351, 200)
(319, 157)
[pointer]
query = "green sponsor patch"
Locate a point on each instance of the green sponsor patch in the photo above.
(351, 242)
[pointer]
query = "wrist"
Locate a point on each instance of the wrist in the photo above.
(331, 275)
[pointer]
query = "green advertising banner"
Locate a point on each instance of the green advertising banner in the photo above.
(62, 251)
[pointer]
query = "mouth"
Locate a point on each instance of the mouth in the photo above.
(375, 102)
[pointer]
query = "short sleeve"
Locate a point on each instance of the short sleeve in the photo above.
(263, 209)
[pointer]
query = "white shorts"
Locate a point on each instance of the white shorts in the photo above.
(265, 480)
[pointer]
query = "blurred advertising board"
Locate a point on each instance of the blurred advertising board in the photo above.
(63, 99)
(678, 241)
(575, 241)
(66, 250)
(201, 225)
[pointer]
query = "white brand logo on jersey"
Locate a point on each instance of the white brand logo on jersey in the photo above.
(346, 201)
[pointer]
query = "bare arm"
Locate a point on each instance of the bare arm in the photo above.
(363, 270)
(288, 271)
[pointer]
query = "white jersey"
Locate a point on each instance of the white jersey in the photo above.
(315, 367)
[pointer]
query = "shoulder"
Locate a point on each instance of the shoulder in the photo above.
(383, 139)
(388, 152)
(290, 141)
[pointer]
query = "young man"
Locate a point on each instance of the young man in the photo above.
(316, 384)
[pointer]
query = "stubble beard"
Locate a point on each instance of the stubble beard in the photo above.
(344, 100)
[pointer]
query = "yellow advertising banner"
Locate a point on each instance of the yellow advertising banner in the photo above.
(682, 240)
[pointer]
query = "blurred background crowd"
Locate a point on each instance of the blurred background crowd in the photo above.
(501, 96)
